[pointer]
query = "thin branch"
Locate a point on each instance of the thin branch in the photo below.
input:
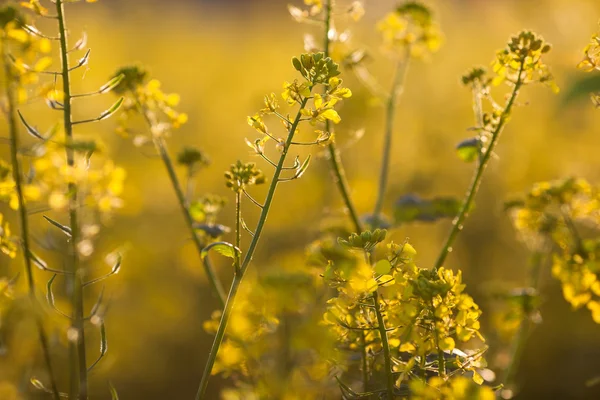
(161, 148)
(390, 112)
(245, 227)
(256, 203)
(386, 347)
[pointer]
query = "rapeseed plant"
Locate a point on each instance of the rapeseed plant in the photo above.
(357, 316)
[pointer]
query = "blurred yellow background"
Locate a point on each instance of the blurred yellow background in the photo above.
(222, 57)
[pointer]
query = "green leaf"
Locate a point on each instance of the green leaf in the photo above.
(382, 267)
(223, 248)
(468, 150)
(296, 63)
(412, 208)
(196, 210)
(65, 229)
(581, 87)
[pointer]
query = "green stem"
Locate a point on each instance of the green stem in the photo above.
(457, 223)
(238, 228)
(77, 346)
(525, 326)
(396, 91)
(161, 148)
(364, 359)
(212, 356)
(440, 352)
(337, 167)
(386, 347)
(17, 176)
(441, 360)
(215, 283)
(342, 183)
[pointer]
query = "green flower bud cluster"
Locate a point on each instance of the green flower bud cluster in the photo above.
(192, 157)
(366, 240)
(316, 68)
(411, 27)
(242, 174)
(133, 77)
(10, 13)
(476, 74)
(428, 284)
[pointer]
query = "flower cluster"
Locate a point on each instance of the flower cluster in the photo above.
(100, 187)
(8, 243)
(551, 216)
(276, 311)
(410, 27)
(8, 194)
(338, 40)
(146, 97)
(512, 308)
(25, 47)
(591, 57)
(316, 69)
(425, 312)
(521, 62)
(241, 175)
(591, 61)
(458, 388)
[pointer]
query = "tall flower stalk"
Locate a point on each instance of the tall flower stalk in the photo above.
(78, 373)
(11, 114)
(408, 32)
(147, 99)
(390, 113)
(519, 64)
(316, 69)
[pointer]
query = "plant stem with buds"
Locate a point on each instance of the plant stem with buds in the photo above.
(241, 270)
(77, 343)
(17, 176)
(457, 223)
(161, 148)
